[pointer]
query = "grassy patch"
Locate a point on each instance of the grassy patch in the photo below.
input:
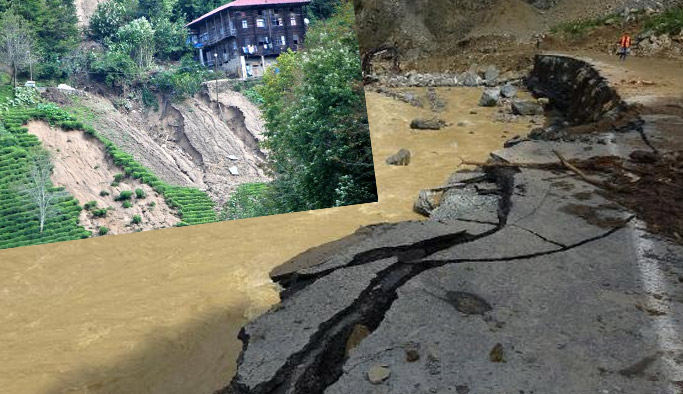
(248, 201)
(670, 21)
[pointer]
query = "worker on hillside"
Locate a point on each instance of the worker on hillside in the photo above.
(624, 46)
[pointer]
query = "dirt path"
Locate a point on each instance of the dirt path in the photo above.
(81, 165)
(159, 312)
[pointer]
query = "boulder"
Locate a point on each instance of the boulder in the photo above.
(491, 74)
(400, 158)
(527, 108)
(427, 124)
(489, 98)
(470, 78)
(508, 91)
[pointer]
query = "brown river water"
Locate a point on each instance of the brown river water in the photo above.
(159, 311)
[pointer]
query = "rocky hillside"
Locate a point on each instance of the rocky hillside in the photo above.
(432, 24)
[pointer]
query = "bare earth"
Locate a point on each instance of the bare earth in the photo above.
(82, 167)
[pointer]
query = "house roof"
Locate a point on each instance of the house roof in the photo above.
(246, 3)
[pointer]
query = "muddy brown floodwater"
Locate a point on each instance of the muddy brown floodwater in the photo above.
(159, 311)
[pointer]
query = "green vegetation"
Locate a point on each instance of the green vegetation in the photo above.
(88, 206)
(317, 128)
(670, 21)
(580, 28)
(100, 213)
(104, 193)
(124, 195)
(139, 193)
(137, 219)
(103, 230)
(248, 201)
(127, 204)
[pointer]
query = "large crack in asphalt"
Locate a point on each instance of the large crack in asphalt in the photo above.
(320, 363)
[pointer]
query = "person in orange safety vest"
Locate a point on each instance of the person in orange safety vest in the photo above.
(624, 46)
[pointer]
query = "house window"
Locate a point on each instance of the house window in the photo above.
(260, 12)
(276, 11)
(244, 24)
(295, 39)
(260, 22)
(292, 20)
(282, 40)
(262, 41)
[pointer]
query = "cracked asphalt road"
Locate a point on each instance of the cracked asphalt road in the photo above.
(578, 297)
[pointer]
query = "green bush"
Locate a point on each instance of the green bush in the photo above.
(139, 193)
(103, 230)
(104, 193)
(90, 205)
(100, 213)
(152, 204)
(118, 177)
(137, 219)
(149, 99)
(670, 21)
(124, 195)
(127, 204)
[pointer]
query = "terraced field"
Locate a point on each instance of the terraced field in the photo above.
(19, 224)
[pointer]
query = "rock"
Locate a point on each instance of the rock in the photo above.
(231, 157)
(358, 333)
(645, 157)
(462, 389)
(400, 158)
(489, 98)
(427, 124)
(514, 141)
(233, 170)
(467, 303)
(491, 74)
(426, 202)
(378, 374)
(470, 78)
(527, 108)
(412, 355)
(497, 355)
(508, 91)
(433, 361)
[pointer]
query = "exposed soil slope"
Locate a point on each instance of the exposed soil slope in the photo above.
(81, 165)
(190, 143)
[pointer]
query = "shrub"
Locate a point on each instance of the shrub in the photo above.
(137, 219)
(90, 205)
(127, 204)
(139, 193)
(125, 195)
(118, 177)
(99, 213)
(152, 204)
(103, 230)
(104, 193)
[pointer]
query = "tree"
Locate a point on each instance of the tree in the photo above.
(38, 187)
(16, 43)
(108, 19)
(317, 127)
(137, 37)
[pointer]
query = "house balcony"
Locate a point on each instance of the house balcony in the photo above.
(208, 39)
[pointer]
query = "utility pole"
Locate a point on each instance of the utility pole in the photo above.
(215, 67)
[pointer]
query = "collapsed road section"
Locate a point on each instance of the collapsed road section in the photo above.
(537, 272)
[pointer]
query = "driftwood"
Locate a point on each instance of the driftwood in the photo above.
(563, 164)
